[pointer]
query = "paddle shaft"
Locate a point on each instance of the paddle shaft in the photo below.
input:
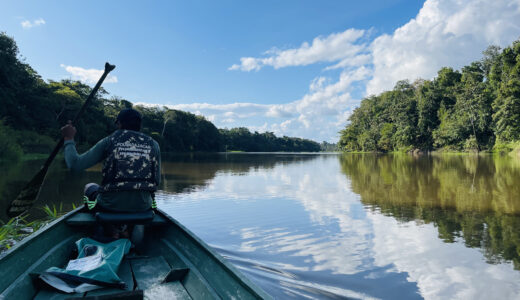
(54, 152)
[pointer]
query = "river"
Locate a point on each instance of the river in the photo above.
(334, 226)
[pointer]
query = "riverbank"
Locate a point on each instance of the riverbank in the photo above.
(33, 156)
(18, 228)
(512, 148)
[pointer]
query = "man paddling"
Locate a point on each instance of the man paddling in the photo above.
(131, 170)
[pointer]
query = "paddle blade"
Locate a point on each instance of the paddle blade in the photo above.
(28, 195)
(109, 67)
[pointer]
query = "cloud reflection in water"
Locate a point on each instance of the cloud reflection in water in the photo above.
(298, 230)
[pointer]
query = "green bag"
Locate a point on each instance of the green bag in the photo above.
(95, 267)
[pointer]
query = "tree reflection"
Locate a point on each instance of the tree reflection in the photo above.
(471, 198)
(180, 173)
(188, 171)
(10, 184)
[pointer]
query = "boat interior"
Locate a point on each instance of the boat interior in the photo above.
(170, 263)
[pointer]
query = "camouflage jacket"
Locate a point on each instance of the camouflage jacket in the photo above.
(130, 162)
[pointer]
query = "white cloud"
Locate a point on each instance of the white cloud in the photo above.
(247, 64)
(444, 33)
(342, 46)
(441, 270)
(87, 75)
(318, 83)
(28, 24)
(359, 60)
(315, 116)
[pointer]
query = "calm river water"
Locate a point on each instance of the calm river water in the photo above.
(331, 226)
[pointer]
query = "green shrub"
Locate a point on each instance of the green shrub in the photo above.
(505, 147)
(471, 144)
(33, 142)
(10, 150)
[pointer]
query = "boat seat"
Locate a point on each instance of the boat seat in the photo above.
(88, 219)
(125, 218)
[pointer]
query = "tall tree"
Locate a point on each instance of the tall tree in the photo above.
(507, 104)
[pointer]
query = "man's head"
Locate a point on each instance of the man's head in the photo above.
(129, 119)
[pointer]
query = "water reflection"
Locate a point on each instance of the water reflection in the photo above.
(295, 228)
(453, 225)
(61, 188)
(471, 198)
(180, 173)
(305, 230)
(11, 182)
(190, 171)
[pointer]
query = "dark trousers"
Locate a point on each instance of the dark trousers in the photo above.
(91, 191)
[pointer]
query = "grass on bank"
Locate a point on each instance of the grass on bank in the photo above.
(33, 156)
(507, 148)
(18, 228)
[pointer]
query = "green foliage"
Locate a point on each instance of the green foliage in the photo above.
(502, 147)
(468, 110)
(328, 147)
(241, 139)
(471, 144)
(54, 212)
(506, 106)
(10, 150)
(18, 228)
(179, 131)
(15, 230)
(33, 142)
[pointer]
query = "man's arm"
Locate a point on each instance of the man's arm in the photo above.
(86, 160)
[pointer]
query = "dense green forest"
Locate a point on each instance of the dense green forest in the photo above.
(474, 109)
(32, 110)
(242, 139)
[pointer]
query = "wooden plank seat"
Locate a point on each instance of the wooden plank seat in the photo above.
(125, 218)
(88, 219)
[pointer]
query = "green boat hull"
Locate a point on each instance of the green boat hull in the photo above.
(168, 245)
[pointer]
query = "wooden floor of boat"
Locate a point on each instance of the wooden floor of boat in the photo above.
(143, 276)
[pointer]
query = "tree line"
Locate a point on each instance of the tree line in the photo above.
(242, 139)
(474, 109)
(32, 110)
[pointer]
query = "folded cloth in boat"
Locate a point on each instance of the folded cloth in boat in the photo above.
(95, 267)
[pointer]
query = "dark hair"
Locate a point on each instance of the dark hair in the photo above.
(135, 126)
(129, 119)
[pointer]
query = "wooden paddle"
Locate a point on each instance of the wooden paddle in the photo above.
(30, 192)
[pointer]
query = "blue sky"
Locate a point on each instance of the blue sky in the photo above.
(297, 68)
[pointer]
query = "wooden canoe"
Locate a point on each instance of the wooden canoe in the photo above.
(168, 245)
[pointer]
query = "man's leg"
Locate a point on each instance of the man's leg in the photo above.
(90, 194)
